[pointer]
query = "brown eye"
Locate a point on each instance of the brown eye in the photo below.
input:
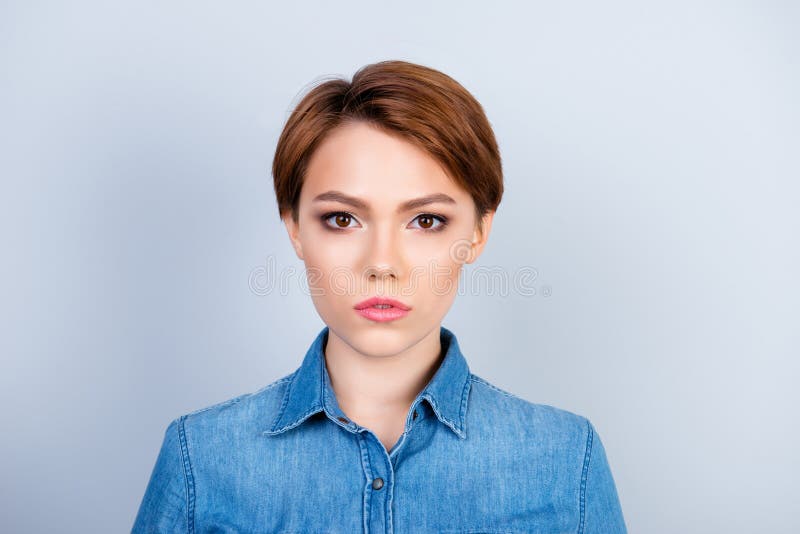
(339, 220)
(425, 221)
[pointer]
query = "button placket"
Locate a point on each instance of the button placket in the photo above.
(380, 473)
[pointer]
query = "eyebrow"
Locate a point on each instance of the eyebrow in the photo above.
(408, 205)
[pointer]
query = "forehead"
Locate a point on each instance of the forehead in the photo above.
(382, 168)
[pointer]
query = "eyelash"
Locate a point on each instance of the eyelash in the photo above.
(443, 222)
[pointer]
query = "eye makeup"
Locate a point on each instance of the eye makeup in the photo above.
(324, 218)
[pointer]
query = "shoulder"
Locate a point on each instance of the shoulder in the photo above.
(250, 412)
(543, 422)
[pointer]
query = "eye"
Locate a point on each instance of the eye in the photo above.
(427, 222)
(341, 220)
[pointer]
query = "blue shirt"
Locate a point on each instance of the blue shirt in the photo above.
(472, 459)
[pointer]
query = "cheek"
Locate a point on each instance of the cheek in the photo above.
(449, 247)
(448, 251)
(322, 251)
(330, 271)
(435, 276)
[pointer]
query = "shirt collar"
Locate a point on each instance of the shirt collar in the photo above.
(309, 389)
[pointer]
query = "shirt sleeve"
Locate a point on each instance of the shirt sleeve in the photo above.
(600, 507)
(165, 506)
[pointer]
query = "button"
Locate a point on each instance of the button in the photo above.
(377, 483)
(343, 419)
(415, 414)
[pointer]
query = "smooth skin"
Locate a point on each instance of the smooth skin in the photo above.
(378, 248)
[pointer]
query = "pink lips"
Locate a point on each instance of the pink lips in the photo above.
(382, 309)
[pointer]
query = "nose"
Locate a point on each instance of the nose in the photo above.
(380, 273)
(383, 256)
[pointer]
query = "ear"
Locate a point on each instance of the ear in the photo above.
(481, 236)
(293, 229)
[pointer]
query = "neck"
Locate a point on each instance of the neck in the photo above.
(370, 386)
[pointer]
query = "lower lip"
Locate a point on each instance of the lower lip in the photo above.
(382, 315)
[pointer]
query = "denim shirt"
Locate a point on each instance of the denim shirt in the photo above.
(472, 459)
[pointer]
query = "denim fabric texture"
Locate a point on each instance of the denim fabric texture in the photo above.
(472, 459)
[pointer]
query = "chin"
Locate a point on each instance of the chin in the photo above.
(379, 339)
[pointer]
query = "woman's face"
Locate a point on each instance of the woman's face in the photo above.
(359, 237)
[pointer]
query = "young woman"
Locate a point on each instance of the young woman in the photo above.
(387, 185)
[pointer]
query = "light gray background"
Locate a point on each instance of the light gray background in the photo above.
(651, 163)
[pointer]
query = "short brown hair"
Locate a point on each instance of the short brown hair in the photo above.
(423, 105)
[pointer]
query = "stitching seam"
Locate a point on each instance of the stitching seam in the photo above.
(463, 411)
(584, 476)
(187, 472)
(476, 378)
(241, 397)
(284, 401)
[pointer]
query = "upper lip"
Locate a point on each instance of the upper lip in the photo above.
(381, 300)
